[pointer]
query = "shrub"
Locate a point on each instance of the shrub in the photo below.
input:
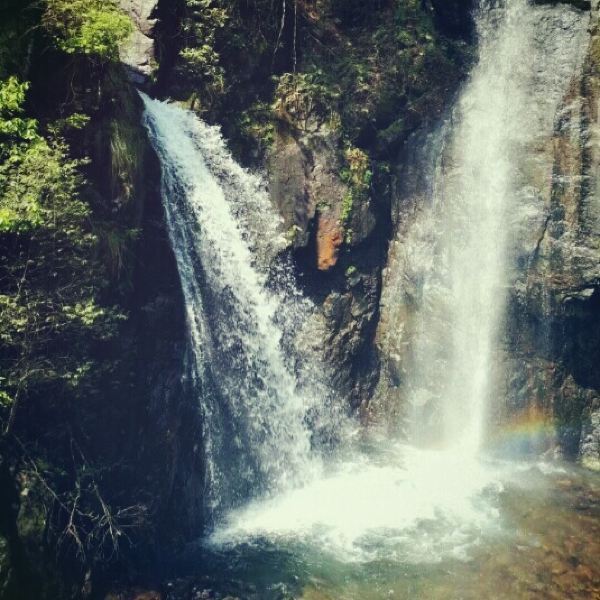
(301, 95)
(358, 176)
(200, 62)
(90, 27)
(50, 274)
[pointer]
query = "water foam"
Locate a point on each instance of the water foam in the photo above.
(408, 505)
(244, 313)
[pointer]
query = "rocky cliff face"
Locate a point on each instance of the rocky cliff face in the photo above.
(138, 52)
(330, 164)
(554, 318)
(304, 170)
(346, 185)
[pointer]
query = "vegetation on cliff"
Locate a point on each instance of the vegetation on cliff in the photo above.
(289, 60)
(68, 164)
(89, 27)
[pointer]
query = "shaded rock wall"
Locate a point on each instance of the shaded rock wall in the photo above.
(167, 445)
(555, 314)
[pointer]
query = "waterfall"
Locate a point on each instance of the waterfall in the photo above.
(462, 251)
(450, 270)
(243, 313)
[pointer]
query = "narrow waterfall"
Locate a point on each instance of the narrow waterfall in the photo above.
(465, 246)
(243, 312)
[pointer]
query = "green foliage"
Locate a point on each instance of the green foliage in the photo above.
(300, 96)
(76, 121)
(201, 66)
(200, 61)
(15, 129)
(20, 150)
(347, 204)
(358, 176)
(126, 155)
(390, 64)
(34, 170)
(89, 27)
(126, 139)
(12, 96)
(50, 275)
(257, 123)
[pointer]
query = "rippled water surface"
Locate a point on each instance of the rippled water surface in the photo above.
(384, 528)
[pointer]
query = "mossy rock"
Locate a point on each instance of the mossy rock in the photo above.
(390, 139)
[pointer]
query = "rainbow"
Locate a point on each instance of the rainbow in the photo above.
(530, 430)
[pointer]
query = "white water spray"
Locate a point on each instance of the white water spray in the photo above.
(479, 207)
(225, 236)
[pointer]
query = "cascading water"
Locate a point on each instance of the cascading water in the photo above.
(464, 293)
(383, 501)
(242, 314)
(463, 248)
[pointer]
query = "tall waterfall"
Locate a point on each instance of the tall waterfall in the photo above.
(463, 247)
(243, 312)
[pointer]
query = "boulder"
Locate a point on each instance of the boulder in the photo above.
(137, 52)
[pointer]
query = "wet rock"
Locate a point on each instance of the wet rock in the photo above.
(329, 240)
(351, 318)
(305, 184)
(362, 222)
(560, 301)
(589, 446)
(289, 188)
(304, 180)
